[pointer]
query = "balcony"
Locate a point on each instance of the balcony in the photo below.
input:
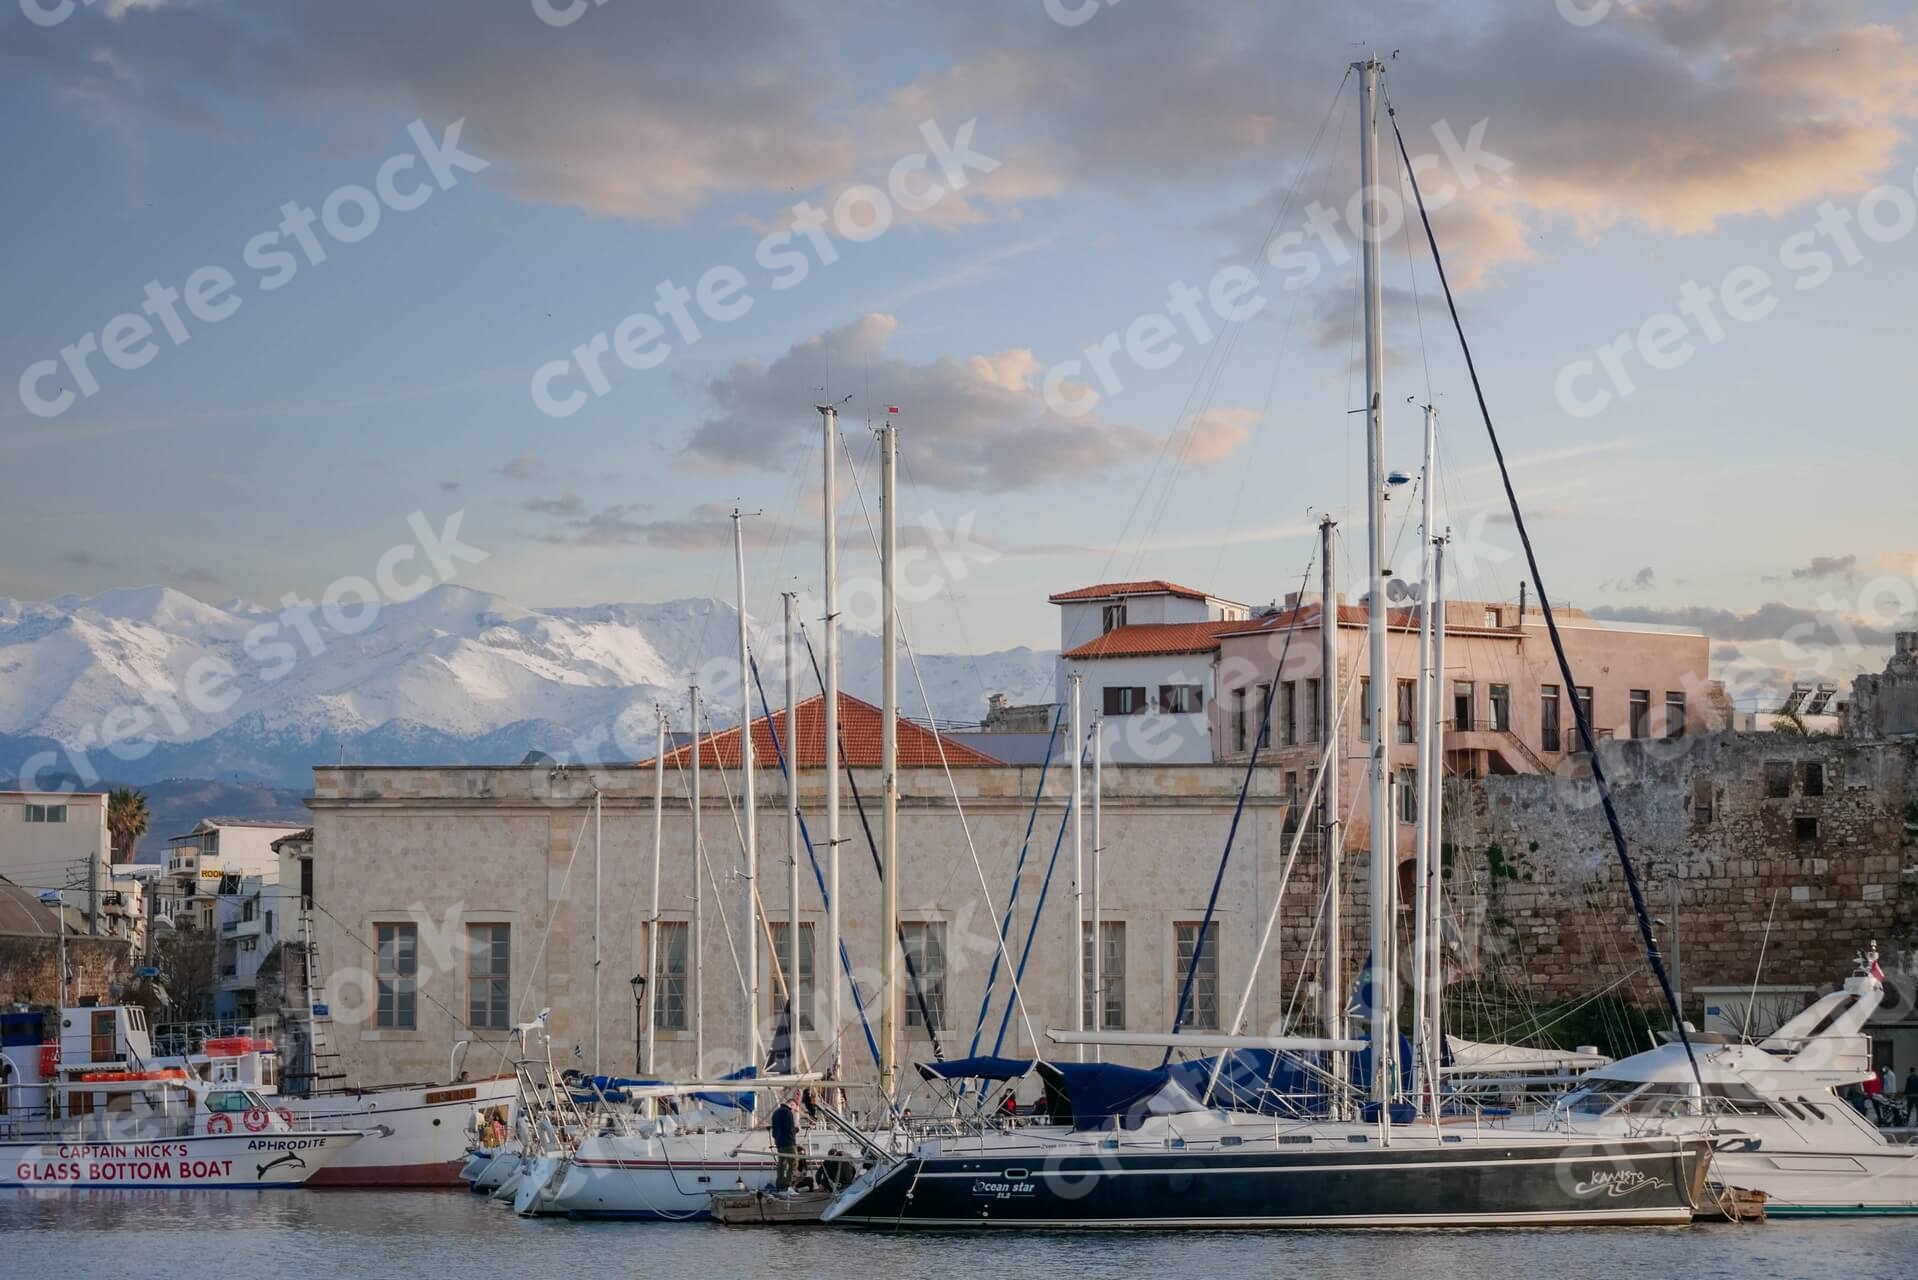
(241, 928)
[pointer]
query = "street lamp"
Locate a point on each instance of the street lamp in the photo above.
(639, 1022)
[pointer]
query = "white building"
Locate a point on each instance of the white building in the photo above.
(1146, 653)
(213, 860)
(56, 842)
(251, 924)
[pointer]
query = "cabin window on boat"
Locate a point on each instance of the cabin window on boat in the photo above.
(399, 957)
(1202, 1013)
(669, 1001)
(781, 952)
(228, 1100)
(1111, 975)
(925, 946)
(488, 976)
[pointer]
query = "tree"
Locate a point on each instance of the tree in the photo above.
(127, 821)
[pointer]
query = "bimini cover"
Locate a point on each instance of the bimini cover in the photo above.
(981, 1068)
(1103, 1095)
(613, 1087)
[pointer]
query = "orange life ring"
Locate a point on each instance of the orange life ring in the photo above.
(219, 1124)
(256, 1119)
(286, 1114)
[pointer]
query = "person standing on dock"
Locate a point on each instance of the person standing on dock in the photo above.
(786, 1143)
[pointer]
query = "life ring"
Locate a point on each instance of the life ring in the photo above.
(219, 1124)
(256, 1119)
(286, 1114)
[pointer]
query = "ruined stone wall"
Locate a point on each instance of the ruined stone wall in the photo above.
(98, 969)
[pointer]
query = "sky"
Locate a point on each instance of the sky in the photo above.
(1747, 472)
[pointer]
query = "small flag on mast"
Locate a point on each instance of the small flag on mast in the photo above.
(892, 408)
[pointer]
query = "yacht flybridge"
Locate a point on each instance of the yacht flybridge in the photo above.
(1771, 1109)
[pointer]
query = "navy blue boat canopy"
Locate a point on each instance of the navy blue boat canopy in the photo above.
(984, 1067)
(1102, 1095)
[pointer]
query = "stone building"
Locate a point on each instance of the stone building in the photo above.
(1886, 705)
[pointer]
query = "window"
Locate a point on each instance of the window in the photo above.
(1202, 1009)
(1314, 729)
(1814, 778)
(1702, 801)
(1113, 616)
(1181, 699)
(1365, 708)
(1238, 719)
(1407, 701)
(1290, 792)
(1674, 715)
(399, 960)
(488, 977)
(1491, 617)
(925, 945)
(670, 1000)
(782, 952)
(1777, 779)
(1288, 714)
(104, 1037)
(1111, 975)
(1501, 695)
(1548, 733)
(46, 813)
(1124, 699)
(1265, 721)
(1583, 693)
(1408, 788)
(1805, 827)
(1464, 702)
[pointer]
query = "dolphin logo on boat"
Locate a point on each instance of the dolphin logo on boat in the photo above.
(288, 1158)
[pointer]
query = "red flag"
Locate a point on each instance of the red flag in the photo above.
(892, 408)
(1875, 971)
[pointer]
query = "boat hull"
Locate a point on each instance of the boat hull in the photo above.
(222, 1161)
(1652, 1182)
(418, 1135)
(670, 1179)
(1804, 1183)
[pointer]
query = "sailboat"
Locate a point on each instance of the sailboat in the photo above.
(1138, 1148)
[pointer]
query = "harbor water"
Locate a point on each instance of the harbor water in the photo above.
(163, 1235)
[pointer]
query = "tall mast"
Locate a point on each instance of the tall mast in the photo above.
(1078, 864)
(1435, 870)
(1384, 836)
(1331, 826)
(1427, 715)
(1098, 846)
(651, 1002)
(889, 762)
(829, 422)
(597, 1069)
(750, 960)
(699, 908)
(792, 841)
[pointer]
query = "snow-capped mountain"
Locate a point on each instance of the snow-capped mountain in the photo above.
(451, 676)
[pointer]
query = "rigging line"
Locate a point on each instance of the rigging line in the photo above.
(1412, 275)
(1245, 787)
(699, 854)
(952, 784)
(1039, 910)
(1583, 721)
(1758, 972)
(1336, 105)
(1012, 896)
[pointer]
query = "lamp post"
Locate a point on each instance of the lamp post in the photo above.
(639, 1023)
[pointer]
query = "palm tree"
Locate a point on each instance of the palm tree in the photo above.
(127, 820)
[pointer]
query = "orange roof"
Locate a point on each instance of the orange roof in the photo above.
(1111, 590)
(860, 725)
(1156, 639)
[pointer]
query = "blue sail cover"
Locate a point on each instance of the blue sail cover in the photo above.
(737, 1101)
(1100, 1095)
(984, 1067)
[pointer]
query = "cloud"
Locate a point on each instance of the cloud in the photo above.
(1643, 580)
(449, 486)
(979, 423)
(1822, 567)
(90, 560)
(527, 466)
(706, 527)
(1215, 435)
(196, 577)
(566, 504)
(1774, 621)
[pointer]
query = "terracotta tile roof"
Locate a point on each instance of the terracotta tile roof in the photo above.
(1156, 639)
(860, 725)
(1110, 590)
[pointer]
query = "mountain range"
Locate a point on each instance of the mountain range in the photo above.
(451, 676)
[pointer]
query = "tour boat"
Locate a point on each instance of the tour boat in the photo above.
(90, 1111)
(1771, 1109)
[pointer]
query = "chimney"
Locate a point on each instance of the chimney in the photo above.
(1522, 584)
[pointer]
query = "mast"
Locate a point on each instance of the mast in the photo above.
(1098, 846)
(1384, 836)
(1331, 826)
(889, 762)
(1435, 869)
(829, 422)
(596, 921)
(651, 1002)
(750, 960)
(1427, 714)
(699, 909)
(1078, 863)
(792, 842)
